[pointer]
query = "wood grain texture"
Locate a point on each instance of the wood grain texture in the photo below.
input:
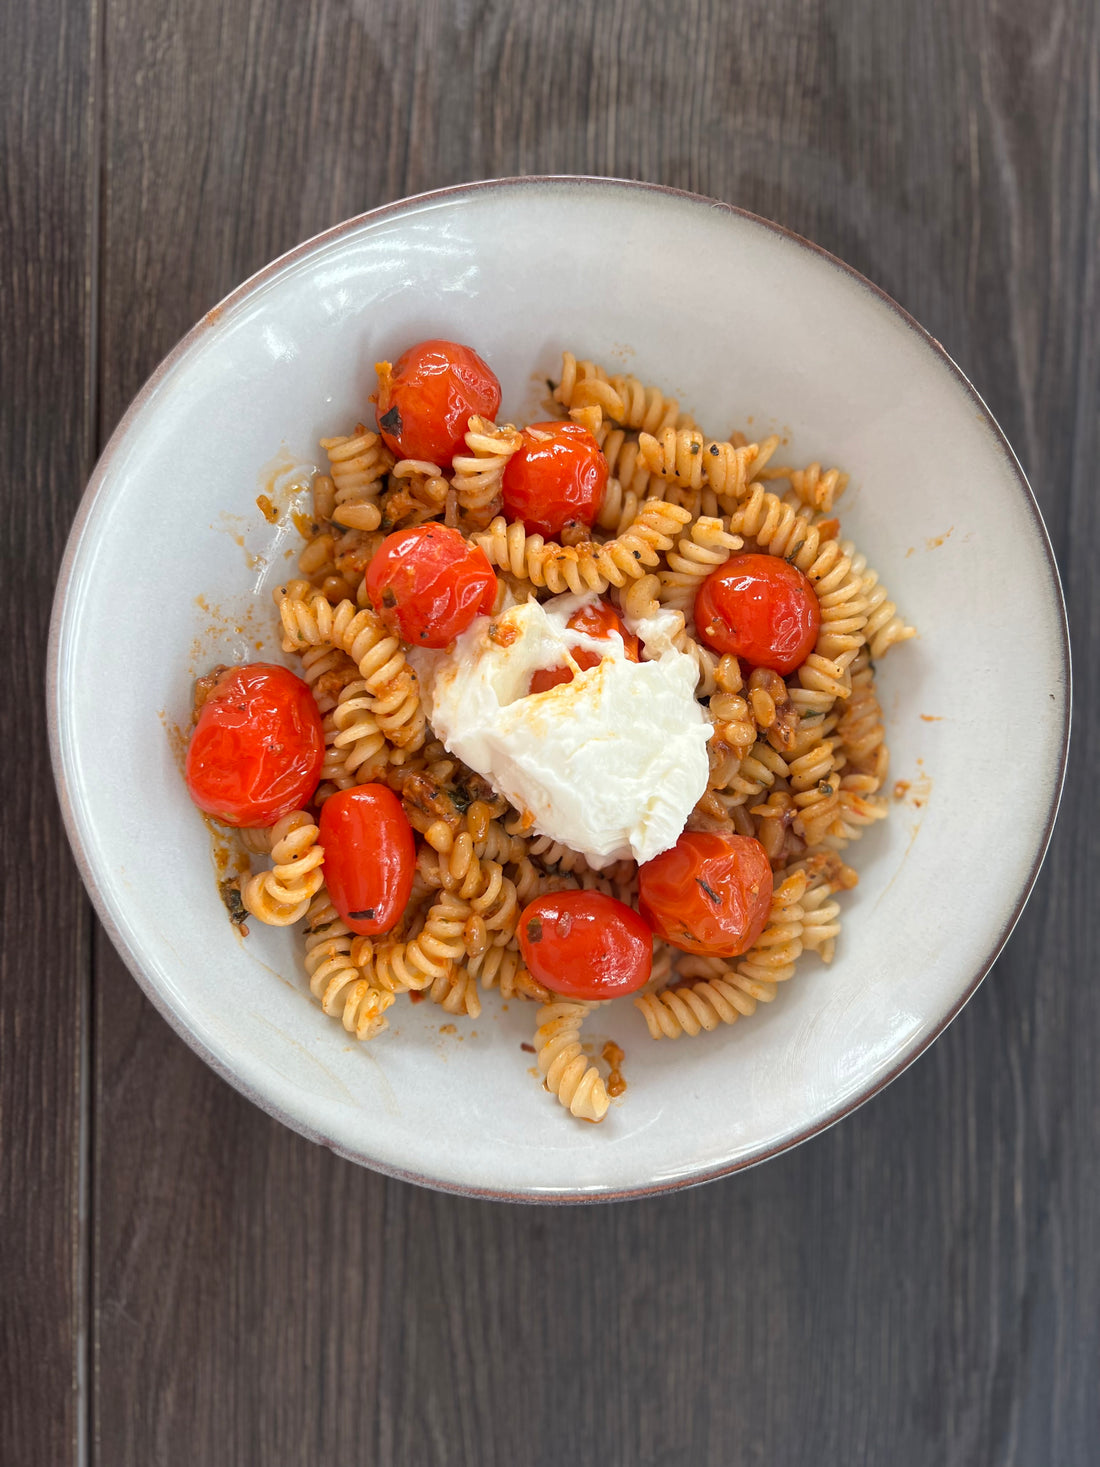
(920, 1285)
(46, 211)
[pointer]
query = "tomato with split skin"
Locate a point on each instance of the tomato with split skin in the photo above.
(710, 893)
(370, 857)
(257, 747)
(555, 479)
(585, 945)
(761, 609)
(600, 620)
(428, 585)
(426, 399)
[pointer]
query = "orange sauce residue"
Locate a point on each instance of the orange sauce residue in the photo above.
(178, 738)
(937, 540)
(448, 1029)
(303, 524)
(932, 717)
(915, 792)
(613, 1056)
(503, 634)
(267, 509)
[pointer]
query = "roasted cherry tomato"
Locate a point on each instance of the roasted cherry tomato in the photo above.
(258, 746)
(708, 894)
(760, 608)
(555, 479)
(427, 584)
(370, 856)
(585, 944)
(598, 620)
(426, 398)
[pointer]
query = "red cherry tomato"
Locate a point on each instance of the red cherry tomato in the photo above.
(555, 479)
(585, 944)
(761, 609)
(598, 620)
(708, 894)
(258, 746)
(426, 399)
(370, 856)
(427, 584)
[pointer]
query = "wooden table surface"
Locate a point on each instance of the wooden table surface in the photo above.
(184, 1281)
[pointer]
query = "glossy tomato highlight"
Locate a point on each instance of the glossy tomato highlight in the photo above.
(556, 478)
(709, 894)
(426, 399)
(370, 856)
(428, 585)
(761, 609)
(585, 945)
(257, 748)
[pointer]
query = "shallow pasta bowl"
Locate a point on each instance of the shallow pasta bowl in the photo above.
(748, 326)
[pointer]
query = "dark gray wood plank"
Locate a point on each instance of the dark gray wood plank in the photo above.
(46, 209)
(918, 1286)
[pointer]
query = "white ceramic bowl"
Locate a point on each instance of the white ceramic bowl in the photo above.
(745, 323)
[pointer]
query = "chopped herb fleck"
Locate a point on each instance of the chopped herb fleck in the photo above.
(710, 891)
(231, 896)
(391, 421)
(366, 915)
(534, 930)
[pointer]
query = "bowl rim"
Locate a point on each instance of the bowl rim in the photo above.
(98, 484)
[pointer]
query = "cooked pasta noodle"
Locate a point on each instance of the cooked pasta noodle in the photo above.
(281, 896)
(334, 978)
(588, 566)
(567, 1071)
(478, 476)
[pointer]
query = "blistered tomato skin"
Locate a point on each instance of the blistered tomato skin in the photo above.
(709, 894)
(257, 748)
(426, 399)
(556, 478)
(761, 609)
(428, 585)
(585, 945)
(370, 857)
(598, 620)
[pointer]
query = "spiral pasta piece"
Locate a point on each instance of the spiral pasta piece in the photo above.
(357, 464)
(567, 1071)
(683, 456)
(503, 968)
(377, 653)
(861, 730)
(418, 962)
(335, 980)
(478, 476)
(884, 627)
(281, 896)
(358, 741)
(588, 566)
(584, 384)
(627, 472)
(816, 488)
(820, 922)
